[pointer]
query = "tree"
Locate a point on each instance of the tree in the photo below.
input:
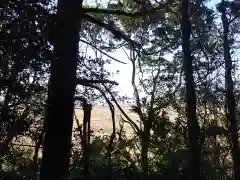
(60, 104)
(25, 55)
(193, 126)
(229, 85)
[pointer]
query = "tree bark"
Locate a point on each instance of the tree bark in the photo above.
(230, 98)
(87, 108)
(193, 126)
(144, 151)
(60, 103)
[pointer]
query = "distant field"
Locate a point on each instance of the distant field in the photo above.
(101, 118)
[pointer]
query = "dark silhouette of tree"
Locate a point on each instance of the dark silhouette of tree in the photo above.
(229, 91)
(61, 91)
(192, 122)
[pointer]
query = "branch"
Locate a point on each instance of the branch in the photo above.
(111, 107)
(233, 19)
(79, 127)
(129, 120)
(118, 12)
(24, 145)
(136, 93)
(117, 33)
(101, 51)
(86, 82)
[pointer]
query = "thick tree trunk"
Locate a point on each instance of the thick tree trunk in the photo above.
(193, 126)
(230, 99)
(60, 104)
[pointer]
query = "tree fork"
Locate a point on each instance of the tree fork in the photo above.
(60, 103)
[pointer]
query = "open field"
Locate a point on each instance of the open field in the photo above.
(101, 118)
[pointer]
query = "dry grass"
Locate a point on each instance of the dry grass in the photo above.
(101, 118)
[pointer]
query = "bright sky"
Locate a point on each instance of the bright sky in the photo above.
(125, 73)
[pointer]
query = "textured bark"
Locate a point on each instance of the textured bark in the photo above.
(193, 126)
(60, 104)
(230, 99)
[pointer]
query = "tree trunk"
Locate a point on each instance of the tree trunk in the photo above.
(87, 108)
(60, 104)
(35, 156)
(193, 126)
(230, 99)
(144, 150)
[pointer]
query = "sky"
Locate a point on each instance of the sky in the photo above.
(124, 75)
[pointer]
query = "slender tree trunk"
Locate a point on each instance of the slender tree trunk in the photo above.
(193, 126)
(87, 108)
(60, 104)
(35, 156)
(144, 150)
(215, 156)
(230, 99)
